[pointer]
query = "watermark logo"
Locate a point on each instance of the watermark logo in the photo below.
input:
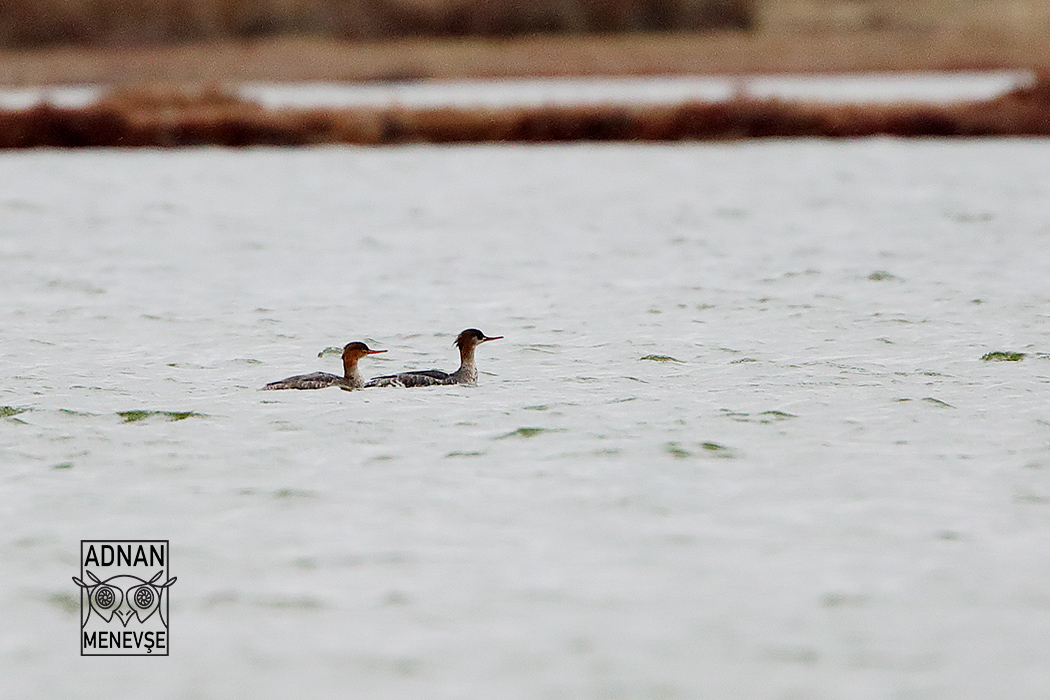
(124, 595)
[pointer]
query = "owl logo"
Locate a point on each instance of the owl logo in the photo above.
(125, 596)
(125, 591)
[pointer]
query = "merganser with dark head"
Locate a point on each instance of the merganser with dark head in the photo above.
(467, 373)
(351, 378)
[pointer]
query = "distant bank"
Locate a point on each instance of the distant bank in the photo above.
(710, 53)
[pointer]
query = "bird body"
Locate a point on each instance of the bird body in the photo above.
(314, 380)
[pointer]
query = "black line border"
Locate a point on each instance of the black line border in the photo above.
(167, 626)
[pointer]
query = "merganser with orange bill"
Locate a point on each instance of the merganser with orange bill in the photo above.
(467, 373)
(351, 378)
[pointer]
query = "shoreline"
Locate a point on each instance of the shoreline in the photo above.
(178, 117)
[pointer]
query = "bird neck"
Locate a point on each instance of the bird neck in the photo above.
(467, 370)
(351, 373)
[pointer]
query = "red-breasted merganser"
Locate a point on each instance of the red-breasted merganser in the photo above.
(351, 378)
(466, 374)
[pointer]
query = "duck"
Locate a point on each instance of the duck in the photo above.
(351, 378)
(467, 342)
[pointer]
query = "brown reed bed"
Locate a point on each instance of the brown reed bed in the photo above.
(25, 23)
(174, 117)
(296, 59)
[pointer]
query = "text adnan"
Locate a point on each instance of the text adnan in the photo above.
(124, 555)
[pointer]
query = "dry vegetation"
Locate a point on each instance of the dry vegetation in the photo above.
(291, 59)
(180, 117)
(120, 42)
(137, 22)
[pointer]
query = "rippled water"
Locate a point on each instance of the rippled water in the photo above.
(739, 440)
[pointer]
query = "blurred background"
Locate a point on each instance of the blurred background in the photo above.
(192, 57)
(39, 23)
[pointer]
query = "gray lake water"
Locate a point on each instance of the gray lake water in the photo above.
(739, 440)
